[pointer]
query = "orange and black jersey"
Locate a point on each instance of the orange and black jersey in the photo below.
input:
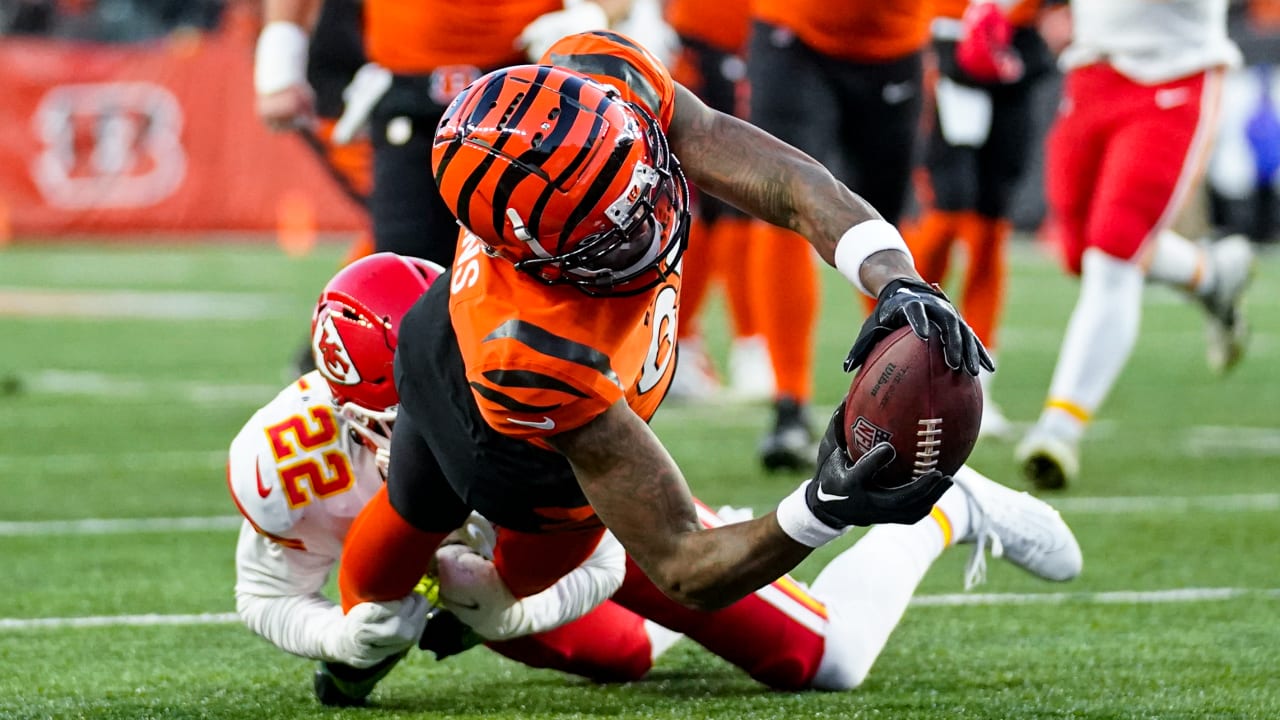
(490, 361)
(854, 30)
(544, 359)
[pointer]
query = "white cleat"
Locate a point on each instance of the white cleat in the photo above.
(1020, 528)
(750, 370)
(1228, 332)
(1048, 460)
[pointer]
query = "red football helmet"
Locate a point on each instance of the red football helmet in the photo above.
(554, 172)
(353, 336)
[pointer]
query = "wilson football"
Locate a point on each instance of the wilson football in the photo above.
(906, 395)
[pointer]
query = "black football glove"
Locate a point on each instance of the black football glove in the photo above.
(844, 493)
(925, 308)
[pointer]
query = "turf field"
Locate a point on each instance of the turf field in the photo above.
(125, 371)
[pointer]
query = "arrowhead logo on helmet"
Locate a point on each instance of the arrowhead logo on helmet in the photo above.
(333, 360)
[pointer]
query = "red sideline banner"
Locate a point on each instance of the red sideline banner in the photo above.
(156, 137)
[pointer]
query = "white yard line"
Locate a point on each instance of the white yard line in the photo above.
(101, 385)
(1122, 597)
(140, 305)
(1265, 502)
(88, 463)
(117, 621)
(1119, 597)
(1258, 502)
(1218, 441)
(99, 526)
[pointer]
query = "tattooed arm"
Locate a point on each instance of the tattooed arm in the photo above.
(641, 496)
(767, 178)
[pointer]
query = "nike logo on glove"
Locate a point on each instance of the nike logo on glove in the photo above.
(827, 497)
(263, 490)
(545, 424)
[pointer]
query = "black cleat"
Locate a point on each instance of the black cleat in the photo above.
(446, 635)
(792, 443)
(338, 685)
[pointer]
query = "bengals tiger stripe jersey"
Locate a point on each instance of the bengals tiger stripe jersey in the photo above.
(414, 37)
(854, 30)
(542, 359)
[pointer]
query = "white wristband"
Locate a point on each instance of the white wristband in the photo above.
(862, 241)
(280, 60)
(800, 524)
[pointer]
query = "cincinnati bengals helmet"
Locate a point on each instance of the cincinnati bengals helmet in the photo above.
(557, 174)
(353, 336)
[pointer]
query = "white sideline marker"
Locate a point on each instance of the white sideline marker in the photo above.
(1124, 597)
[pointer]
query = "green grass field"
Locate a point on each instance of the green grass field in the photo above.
(126, 370)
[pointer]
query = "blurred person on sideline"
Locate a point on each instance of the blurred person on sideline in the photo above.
(843, 82)
(989, 58)
(711, 63)
(1132, 136)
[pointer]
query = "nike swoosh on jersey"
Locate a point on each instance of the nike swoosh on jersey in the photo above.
(827, 497)
(263, 490)
(545, 423)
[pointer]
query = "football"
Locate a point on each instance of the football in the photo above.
(906, 395)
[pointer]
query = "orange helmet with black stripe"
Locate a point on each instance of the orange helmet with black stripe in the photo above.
(554, 172)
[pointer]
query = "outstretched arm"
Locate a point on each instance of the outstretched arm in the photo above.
(774, 181)
(640, 494)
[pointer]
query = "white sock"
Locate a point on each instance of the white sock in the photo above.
(866, 590)
(954, 505)
(1181, 263)
(660, 638)
(1099, 339)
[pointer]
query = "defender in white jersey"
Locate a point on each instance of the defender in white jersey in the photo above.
(304, 466)
(1136, 122)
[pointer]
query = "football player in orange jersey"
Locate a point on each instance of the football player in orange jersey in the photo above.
(841, 81)
(527, 375)
(989, 58)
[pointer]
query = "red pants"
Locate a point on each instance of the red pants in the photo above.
(1122, 157)
(776, 634)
